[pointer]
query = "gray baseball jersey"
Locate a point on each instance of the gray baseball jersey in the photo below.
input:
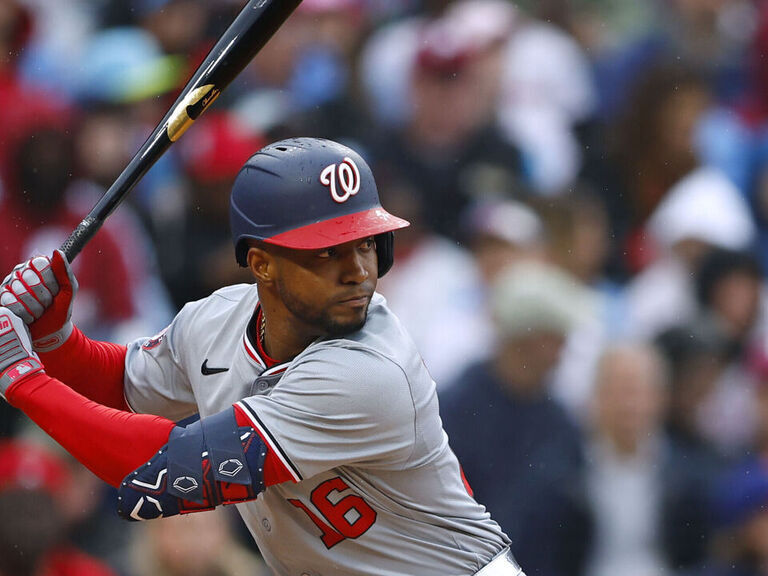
(377, 489)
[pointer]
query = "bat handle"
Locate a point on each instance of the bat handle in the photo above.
(79, 237)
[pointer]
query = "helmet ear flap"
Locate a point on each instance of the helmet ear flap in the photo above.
(385, 250)
(241, 253)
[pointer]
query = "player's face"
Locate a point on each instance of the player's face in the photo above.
(329, 290)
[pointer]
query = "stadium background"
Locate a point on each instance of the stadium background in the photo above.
(585, 274)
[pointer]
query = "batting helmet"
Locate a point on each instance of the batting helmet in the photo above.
(309, 194)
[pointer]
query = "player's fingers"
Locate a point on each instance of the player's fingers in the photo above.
(42, 266)
(26, 298)
(34, 283)
(8, 279)
(9, 300)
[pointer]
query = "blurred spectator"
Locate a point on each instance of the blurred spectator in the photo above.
(624, 39)
(179, 26)
(124, 89)
(33, 531)
(272, 79)
(730, 290)
(736, 138)
(647, 496)
(199, 544)
(498, 233)
(328, 68)
(57, 39)
(86, 505)
(21, 105)
(576, 227)
(450, 147)
(502, 232)
(702, 212)
(435, 290)
(199, 259)
(697, 357)
(520, 451)
(387, 61)
(547, 91)
(36, 195)
(541, 85)
(648, 149)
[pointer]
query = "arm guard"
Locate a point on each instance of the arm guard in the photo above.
(213, 461)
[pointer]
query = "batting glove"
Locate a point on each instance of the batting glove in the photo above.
(17, 360)
(41, 292)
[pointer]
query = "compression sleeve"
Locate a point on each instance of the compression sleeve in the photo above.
(109, 442)
(94, 369)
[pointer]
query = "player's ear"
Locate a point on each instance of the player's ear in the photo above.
(261, 264)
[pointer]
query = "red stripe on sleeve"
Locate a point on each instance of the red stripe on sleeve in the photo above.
(275, 471)
(111, 443)
(94, 369)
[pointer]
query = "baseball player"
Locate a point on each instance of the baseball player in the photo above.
(299, 398)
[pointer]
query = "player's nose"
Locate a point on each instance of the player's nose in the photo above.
(355, 267)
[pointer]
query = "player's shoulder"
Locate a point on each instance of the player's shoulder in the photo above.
(381, 350)
(383, 338)
(223, 301)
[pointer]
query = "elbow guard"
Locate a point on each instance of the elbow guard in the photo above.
(210, 462)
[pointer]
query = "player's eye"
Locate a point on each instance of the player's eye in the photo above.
(326, 253)
(368, 244)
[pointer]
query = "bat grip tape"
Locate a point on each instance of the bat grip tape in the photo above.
(80, 237)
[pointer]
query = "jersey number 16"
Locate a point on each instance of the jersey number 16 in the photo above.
(349, 517)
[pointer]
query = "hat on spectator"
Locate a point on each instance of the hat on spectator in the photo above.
(465, 31)
(531, 297)
(443, 49)
(28, 466)
(323, 6)
(703, 206)
(123, 65)
(482, 23)
(219, 149)
(507, 220)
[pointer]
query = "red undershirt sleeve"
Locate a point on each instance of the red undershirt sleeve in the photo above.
(94, 369)
(111, 443)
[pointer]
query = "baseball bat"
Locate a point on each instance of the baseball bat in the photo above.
(249, 32)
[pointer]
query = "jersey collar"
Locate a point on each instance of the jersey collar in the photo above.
(254, 349)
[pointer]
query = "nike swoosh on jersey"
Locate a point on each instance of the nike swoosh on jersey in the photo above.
(208, 371)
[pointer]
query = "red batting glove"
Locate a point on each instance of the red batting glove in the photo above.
(41, 292)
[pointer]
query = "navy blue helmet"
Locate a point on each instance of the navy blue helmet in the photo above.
(309, 194)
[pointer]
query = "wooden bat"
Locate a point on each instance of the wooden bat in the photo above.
(249, 32)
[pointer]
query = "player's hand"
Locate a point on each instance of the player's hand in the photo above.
(17, 360)
(41, 292)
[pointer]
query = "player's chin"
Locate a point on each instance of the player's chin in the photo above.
(350, 319)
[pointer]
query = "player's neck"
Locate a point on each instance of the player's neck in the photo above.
(281, 337)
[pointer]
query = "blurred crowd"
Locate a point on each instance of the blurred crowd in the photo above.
(585, 273)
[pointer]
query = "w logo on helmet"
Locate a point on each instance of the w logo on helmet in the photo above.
(345, 176)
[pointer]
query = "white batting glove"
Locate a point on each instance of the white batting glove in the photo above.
(17, 360)
(41, 292)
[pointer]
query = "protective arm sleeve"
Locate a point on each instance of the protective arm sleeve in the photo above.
(130, 451)
(91, 368)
